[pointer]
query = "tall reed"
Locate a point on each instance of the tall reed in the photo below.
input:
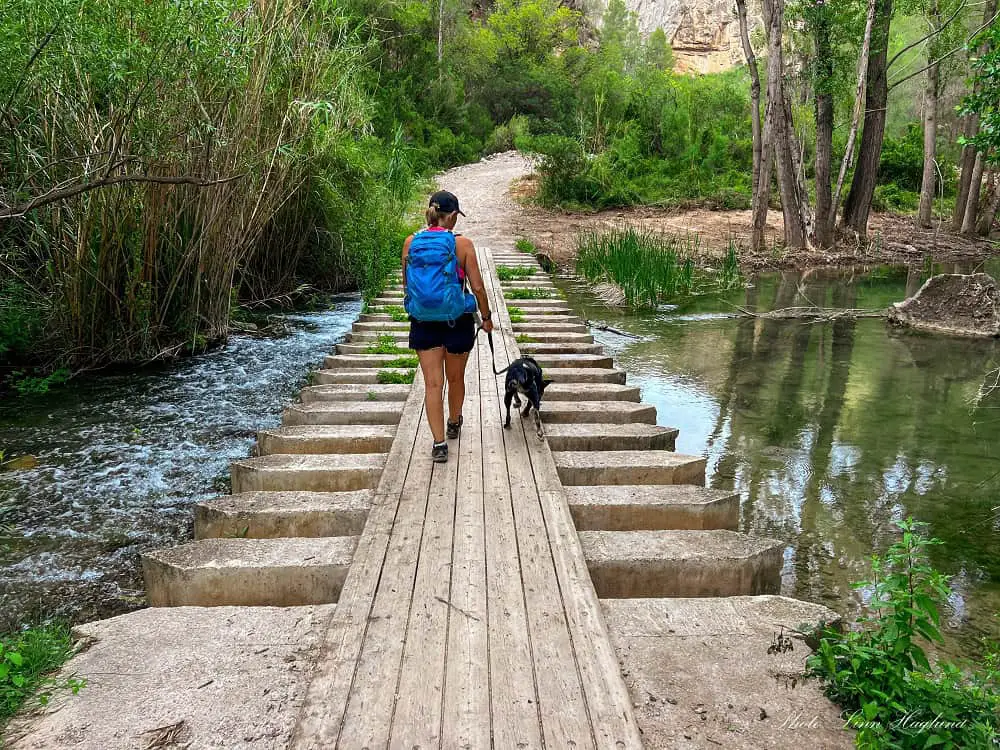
(651, 268)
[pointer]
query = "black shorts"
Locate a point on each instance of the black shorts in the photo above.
(456, 338)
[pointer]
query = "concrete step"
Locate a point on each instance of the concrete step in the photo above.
(651, 507)
(561, 348)
(544, 303)
(309, 472)
(629, 467)
(527, 284)
(573, 360)
(274, 515)
(533, 329)
(544, 314)
(554, 337)
(354, 392)
(388, 298)
(400, 338)
(597, 412)
(362, 347)
(609, 437)
(626, 564)
(248, 572)
(361, 360)
(354, 375)
(589, 392)
(370, 317)
(326, 439)
(585, 375)
(377, 326)
(342, 412)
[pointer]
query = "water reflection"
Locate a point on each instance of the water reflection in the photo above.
(122, 458)
(831, 431)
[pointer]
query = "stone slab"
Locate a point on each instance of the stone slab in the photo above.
(585, 375)
(626, 564)
(563, 347)
(590, 392)
(360, 360)
(248, 572)
(273, 515)
(320, 439)
(591, 412)
(534, 328)
(355, 374)
(629, 467)
(701, 677)
(610, 437)
(342, 412)
(574, 360)
(310, 473)
(638, 507)
(226, 676)
(354, 392)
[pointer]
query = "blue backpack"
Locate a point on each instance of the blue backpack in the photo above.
(433, 291)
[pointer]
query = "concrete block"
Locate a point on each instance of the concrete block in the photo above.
(652, 507)
(590, 392)
(342, 412)
(609, 437)
(354, 392)
(312, 473)
(597, 412)
(273, 515)
(318, 439)
(628, 467)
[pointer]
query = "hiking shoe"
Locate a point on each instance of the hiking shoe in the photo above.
(439, 453)
(454, 427)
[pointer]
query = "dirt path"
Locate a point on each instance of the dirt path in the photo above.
(493, 193)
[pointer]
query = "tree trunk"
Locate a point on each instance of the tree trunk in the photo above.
(928, 181)
(824, 132)
(989, 214)
(852, 135)
(751, 58)
(440, 46)
(762, 196)
(967, 163)
(972, 202)
(858, 205)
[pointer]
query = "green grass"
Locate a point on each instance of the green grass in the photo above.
(523, 338)
(511, 273)
(651, 268)
(525, 246)
(516, 314)
(388, 377)
(528, 294)
(396, 312)
(27, 660)
(386, 344)
(404, 362)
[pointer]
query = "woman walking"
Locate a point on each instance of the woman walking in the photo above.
(438, 266)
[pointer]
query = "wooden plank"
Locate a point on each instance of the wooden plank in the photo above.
(368, 717)
(513, 694)
(466, 712)
(562, 706)
(417, 718)
(321, 715)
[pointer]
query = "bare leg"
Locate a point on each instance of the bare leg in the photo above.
(454, 367)
(432, 367)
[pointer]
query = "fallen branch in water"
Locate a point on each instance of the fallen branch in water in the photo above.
(609, 329)
(815, 314)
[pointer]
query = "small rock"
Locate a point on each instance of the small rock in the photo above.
(763, 714)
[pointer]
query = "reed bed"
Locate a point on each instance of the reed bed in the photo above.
(651, 268)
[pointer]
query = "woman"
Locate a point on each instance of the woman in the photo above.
(443, 346)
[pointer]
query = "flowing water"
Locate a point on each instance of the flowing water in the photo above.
(831, 431)
(122, 459)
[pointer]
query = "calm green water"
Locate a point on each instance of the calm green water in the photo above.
(832, 431)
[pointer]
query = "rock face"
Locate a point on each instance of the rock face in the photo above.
(704, 34)
(959, 304)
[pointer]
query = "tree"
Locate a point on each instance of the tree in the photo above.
(857, 207)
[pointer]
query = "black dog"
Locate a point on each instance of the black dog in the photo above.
(524, 378)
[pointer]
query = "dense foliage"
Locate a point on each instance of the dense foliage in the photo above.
(880, 673)
(26, 661)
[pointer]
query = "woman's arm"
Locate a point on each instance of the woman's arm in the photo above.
(406, 254)
(467, 256)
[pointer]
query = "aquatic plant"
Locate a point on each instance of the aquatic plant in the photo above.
(879, 671)
(650, 267)
(390, 377)
(528, 294)
(511, 273)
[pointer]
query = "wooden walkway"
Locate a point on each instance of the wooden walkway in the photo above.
(468, 618)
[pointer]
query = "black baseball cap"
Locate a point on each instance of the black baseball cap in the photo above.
(442, 200)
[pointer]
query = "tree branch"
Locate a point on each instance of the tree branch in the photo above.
(946, 55)
(60, 194)
(933, 33)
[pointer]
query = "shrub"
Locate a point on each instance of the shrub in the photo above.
(511, 273)
(527, 294)
(386, 377)
(880, 672)
(26, 661)
(504, 137)
(386, 344)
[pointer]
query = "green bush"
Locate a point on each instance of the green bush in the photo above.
(387, 377)
(893, 198)
(902, 161)
(881, 675)
(504, 137)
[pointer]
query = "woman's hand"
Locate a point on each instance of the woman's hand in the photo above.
(488, 326)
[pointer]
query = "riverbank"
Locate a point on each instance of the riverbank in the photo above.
(894, 238)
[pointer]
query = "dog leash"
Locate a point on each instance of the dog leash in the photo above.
(489, 338)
